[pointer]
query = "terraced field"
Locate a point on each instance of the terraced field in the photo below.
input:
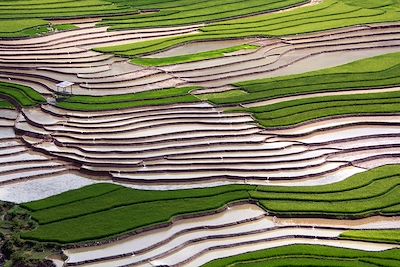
(231, 133)
(331, 14)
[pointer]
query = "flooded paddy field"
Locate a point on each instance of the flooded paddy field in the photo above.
(131, 128)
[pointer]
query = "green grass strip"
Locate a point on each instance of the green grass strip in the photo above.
(76, 195)
(298, 111)
(302, 261)
(309, 255)
(27, 18)
(6, 105)
(364, 194)
(113, 210)
(118, 197)
(230, 93)
(65, 27)
(198, 12)
(158, 62)
(30, 28)
(147, 98)
(330, 14)
(24, 95)
(386, 236)
(123, 219)
(10, 26)
(50, 9)
(22, 27)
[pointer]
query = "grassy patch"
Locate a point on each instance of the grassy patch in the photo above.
(183, 12)
(64, 27)
(10, 26)
(148, 98)
(73, 196)
(50, 9)
(330, 14)
(22, 28)
(5, 105)
(119, 198)
(30, 28)
(158, 62)
(297, 111)
(27, 18)
(309, 255)
(387, 236)
(100, 211)
(24, 95)
(365, 194)
(124, 14)
(119, 212)
(230, 93)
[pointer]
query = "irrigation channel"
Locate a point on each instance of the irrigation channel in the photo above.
(48, 149)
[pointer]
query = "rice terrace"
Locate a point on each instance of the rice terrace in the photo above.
(200, 133)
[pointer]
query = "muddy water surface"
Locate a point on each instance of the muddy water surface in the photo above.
(198, 47)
